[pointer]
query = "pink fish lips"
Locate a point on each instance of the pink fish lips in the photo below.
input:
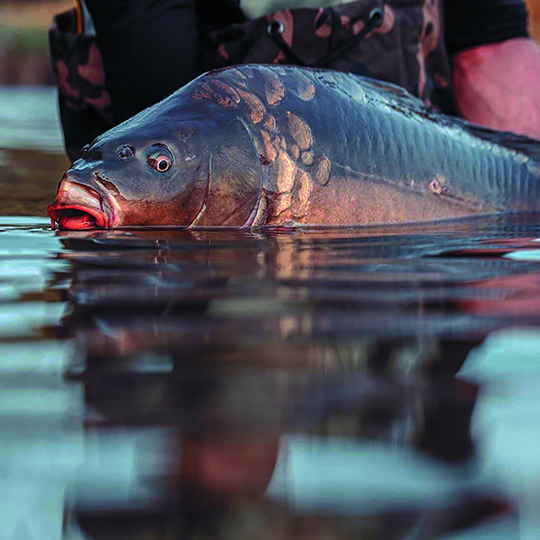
(78, 207)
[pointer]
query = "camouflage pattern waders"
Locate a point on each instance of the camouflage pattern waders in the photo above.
(399, 41)
(85, 104)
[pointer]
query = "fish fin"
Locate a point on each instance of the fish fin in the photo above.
(519, 143)
(385, 87)
(393, 95)
(400, 98)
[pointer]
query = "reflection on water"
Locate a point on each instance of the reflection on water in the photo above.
(270, 384)
(360, 383)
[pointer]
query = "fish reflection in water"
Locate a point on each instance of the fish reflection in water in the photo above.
(285, 384)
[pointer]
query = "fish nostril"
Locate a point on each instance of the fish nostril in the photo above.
(82, 177)
(125, 151)
(90, 153)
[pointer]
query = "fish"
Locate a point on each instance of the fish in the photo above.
(263, 145)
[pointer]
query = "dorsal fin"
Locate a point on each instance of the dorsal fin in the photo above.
(401, 99)
(519, 143)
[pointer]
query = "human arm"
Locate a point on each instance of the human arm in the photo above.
(496, 64)
(498, 85)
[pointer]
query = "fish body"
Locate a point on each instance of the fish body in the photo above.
(257, 145)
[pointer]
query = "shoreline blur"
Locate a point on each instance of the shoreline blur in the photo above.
(24, 46)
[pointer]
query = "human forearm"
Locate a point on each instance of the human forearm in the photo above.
(498, 85)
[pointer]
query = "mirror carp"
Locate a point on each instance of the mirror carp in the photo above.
(261, 145)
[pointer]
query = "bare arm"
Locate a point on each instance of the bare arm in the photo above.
(498, 85)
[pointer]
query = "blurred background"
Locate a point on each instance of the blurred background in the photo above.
(23, 38)
(24, 53)
(534, 21)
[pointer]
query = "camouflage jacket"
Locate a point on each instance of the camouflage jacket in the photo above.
(399, 41)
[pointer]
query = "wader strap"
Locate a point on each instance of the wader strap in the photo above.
(276, 28)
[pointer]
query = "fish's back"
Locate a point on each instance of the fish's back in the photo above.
(331, 143)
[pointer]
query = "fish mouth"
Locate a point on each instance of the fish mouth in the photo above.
(79, 207)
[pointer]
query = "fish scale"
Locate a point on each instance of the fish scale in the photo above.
(480, 167)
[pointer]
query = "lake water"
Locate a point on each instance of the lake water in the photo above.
(358, 383)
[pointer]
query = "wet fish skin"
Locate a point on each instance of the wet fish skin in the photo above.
(260, 145)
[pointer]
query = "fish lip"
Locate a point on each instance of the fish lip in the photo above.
(69, 199)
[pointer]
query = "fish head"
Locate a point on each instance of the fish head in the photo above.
(142, 172)
(185, 161)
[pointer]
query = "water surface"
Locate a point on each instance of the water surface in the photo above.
(346, 383)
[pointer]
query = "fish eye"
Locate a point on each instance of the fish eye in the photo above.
(161, 161)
